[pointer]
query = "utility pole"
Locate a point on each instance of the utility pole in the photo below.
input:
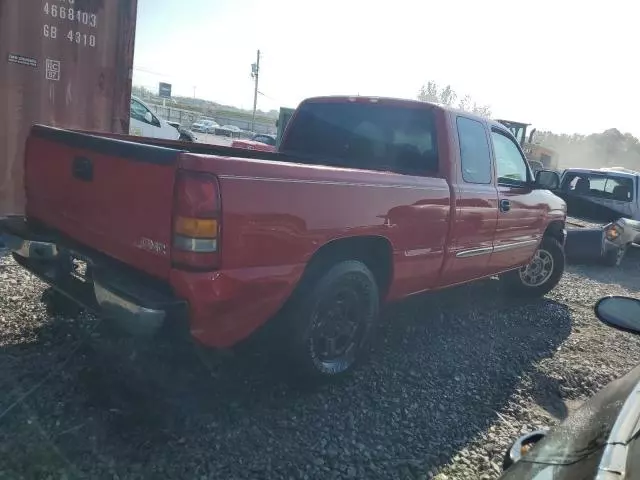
(255, 73)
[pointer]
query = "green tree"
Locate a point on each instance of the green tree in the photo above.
(431, 92)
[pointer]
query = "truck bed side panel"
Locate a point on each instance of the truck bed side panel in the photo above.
(277, 214)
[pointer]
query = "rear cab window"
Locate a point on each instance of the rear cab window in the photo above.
(597, 185)
(365, 135)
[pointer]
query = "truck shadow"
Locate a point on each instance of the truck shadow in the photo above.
(443, 366)
(626, 275)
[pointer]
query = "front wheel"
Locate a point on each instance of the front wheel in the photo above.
(541, 275)
(331, 321)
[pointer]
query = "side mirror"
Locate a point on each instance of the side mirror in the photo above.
(622, 313)
(148, 117)
(547, 179)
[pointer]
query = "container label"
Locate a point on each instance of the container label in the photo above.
(22, 60)
(64, 19)
(53, 70)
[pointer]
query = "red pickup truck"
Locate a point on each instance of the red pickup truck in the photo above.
(368, 200)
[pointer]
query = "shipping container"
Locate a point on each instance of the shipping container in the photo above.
(66, 63)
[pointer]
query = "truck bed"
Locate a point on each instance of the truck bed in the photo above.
(574, 223)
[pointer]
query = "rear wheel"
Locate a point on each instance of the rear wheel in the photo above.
(330, 323)
(541, 275)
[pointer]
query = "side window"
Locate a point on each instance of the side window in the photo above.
(597, 186)
(620, 189)
(510, 164)
(474, 151)
(139, 112)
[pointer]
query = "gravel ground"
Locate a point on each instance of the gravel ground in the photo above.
(450, 385)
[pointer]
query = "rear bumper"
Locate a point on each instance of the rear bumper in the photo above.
(109, 290)
(593, 243)
(223, 307)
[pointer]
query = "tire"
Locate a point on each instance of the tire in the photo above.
(184, 138)
(330, 322)
(613, 258)
(58, 304)
(521, 282)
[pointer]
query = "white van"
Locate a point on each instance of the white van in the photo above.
(143, 123)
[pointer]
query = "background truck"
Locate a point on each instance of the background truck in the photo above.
(603, 210)
(367, 200)
(539, 157)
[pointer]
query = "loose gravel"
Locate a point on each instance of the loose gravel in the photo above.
(454, 378)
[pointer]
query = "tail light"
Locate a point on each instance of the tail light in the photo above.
(196, 221)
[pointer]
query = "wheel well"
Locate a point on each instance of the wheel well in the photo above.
(375, 252)
(555, 230)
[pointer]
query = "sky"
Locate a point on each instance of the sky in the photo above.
(566, 66)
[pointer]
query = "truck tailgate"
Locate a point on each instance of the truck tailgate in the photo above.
(111, 195)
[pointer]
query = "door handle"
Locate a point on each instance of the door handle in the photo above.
(505, 205)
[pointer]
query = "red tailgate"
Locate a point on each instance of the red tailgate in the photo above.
(111, 195)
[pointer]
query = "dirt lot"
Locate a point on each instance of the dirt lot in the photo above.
(454, 378)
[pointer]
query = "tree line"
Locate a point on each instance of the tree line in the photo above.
(611, 148)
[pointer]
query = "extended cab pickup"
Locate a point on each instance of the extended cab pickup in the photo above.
(368, 200)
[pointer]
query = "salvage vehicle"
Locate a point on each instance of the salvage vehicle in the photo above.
(603, 212)
(260, 141)
(205, 125)
(601, 439)
(144, 123)
(368, 200)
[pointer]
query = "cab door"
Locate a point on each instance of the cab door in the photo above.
(476, 208)
(521, 209)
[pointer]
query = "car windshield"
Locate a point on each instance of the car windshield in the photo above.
(586, 430)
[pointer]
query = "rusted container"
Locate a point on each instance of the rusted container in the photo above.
(66, 63)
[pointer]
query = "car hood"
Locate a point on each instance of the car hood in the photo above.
(577, 444)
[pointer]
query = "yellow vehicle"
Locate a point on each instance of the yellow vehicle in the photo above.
(538, 156)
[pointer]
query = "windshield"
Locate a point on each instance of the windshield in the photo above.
(585, 431)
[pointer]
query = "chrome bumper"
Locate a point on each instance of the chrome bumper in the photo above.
(98, 295)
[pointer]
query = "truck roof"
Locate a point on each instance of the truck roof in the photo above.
(622, 172)
(402, 102)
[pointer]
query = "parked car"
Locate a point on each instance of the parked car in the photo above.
(599, 440)
(603, 208)
(204, 126)
(228, 130)
(260, 141)
(368, 200)
(186, 135)
(142, 122)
